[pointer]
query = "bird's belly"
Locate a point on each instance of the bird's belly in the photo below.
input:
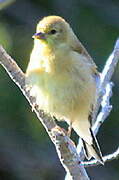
(63, 98)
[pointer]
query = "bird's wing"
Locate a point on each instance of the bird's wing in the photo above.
(77, 46)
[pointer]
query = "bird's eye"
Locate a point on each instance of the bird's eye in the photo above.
(53, 31)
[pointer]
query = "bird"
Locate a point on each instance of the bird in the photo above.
(62, 76)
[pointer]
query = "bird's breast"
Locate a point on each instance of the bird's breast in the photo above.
(64, 90)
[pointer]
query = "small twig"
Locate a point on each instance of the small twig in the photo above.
(105, 89)
(106, 108)
(106, 75)
(107, 158)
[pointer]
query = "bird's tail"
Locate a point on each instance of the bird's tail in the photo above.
(93, 150)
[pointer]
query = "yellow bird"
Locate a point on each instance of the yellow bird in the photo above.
(63, 79)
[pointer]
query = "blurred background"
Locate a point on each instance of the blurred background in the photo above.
(26, 151)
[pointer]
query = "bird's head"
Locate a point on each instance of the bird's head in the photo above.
(52, 30)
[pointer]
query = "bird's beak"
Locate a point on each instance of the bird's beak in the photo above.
(39, 35)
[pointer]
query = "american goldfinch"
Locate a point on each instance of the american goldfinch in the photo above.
(62, 76)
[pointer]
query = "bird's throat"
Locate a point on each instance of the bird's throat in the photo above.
(51, 58)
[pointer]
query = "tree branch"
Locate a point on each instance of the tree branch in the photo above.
(64, 146)
(106, 108)
(105, 88)
(106, 75)
(107, 158)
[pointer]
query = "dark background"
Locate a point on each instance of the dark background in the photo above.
(26, 152)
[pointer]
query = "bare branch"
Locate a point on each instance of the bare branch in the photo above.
(106, 75)
(107, 158)
(106, 108)
(105, 88)
(65, 147)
